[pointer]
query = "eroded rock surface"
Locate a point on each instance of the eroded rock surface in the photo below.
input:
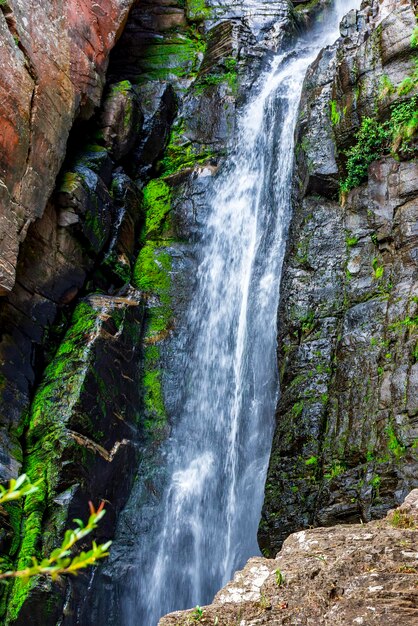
(345, 447)
(338, 576)
(53, 59)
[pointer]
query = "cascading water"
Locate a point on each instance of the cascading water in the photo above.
(218, 452)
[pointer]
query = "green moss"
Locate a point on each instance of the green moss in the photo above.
(174, 57)
(307, 322)
(157, 205)
(375, 482)
(119, 266)
(197, 11)
(297, 409)
(226, 73)
(181, 153)
(153, 399)
(393, 443)
(152, 271)
(152, 276)
(335, 114)
(123, 87)
(69, 182)
(334, 470)
(47, 437)
(91, 157)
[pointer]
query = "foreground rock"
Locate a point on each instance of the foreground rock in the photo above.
(358, 574)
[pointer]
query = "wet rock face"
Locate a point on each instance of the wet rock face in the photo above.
(357, 574)
(83, 430)
(345, 447)
(53, 61)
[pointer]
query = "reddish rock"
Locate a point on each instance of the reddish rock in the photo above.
(53, 57)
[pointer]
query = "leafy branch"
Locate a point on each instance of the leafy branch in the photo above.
(61, 560)
(17, 488)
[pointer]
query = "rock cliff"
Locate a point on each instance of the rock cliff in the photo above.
(87, 328)
(97, 266)
(53, 59)
(345, 448)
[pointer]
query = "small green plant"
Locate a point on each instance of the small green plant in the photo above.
(297, 409)
(313, 460)
(407, 569)
(17, 489)
(386, 87)
(378, 270)
(336, 469)
(394, 445)
(264, 602)
(370, 139)
(375, 482)
(307, 322)
(374, 138)
(351, 241)
(408, 322)
(230, 64)
(406, 86)
(197, 613)
(400, 519)
(403, 125)
(414, 38)
(279, 578)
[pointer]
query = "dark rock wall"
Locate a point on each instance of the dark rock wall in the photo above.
(345, 447)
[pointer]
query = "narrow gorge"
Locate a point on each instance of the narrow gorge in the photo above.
(209, 305)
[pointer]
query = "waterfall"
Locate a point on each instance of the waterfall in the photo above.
(218, 452)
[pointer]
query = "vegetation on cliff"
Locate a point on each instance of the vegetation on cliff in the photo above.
(374, 139)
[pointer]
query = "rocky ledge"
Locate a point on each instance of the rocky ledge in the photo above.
(349, 574)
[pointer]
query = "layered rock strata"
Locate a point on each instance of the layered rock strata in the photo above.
(53, 61)
(345, 448)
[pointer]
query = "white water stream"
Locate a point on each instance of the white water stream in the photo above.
(218, 453)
